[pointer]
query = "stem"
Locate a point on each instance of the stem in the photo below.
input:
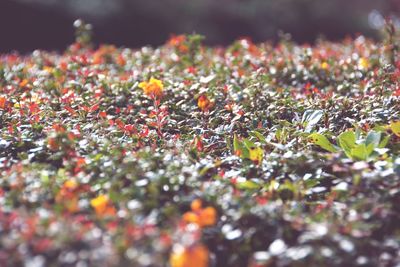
(204, 118)
(159, 132)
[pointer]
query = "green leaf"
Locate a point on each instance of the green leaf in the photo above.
(256, 154)
(379, 128)
(373, 138)
(248, 185)
(322, 141)
(236, 143)
(204, 170)
(311, 183)
(249, 145)
(240, 147)
(360, 152)
(395, 127)
(372, 141)
(370, 149)
(279, 134)
(347, 141)
(259, 136)
(384, 142)
(115, 196)
(44, 177)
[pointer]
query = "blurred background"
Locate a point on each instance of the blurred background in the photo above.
(26, 25)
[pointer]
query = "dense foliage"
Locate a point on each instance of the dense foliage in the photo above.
(186, 155)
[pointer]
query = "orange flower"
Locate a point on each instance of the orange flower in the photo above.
(200, 216)
(2, 102)
(67, 195)
(183, 48)
(194, 256)
(103, 53)
(208, 216)
(53, 143)
(196, 205)
(152, 88)
(120, 60)
(204, 103)
(102, 205)
(23, 83)
(177, 40)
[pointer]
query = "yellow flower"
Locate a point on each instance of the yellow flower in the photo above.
(363, 63)
(324, 65)
(152, 88)
(70, 184)
(48, 69)
(194, 256)
(102, 205)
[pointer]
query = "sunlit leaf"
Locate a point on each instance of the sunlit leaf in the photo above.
(360, 152)
(248, 185)
(256, 154)
(322, 141)
(347, 141)
(395, 127)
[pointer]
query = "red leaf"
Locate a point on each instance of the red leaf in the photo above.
(94, 108)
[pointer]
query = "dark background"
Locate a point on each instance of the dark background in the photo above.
(26, 25)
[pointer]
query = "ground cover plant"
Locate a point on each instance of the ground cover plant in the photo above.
(187, 155)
